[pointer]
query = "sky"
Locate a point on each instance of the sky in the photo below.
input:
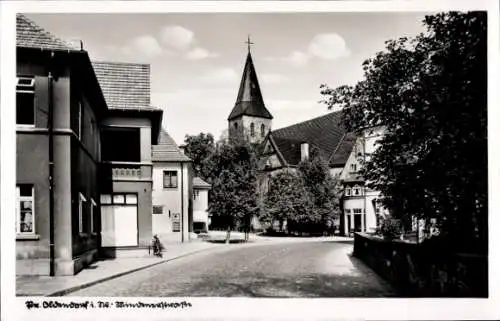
(197, 58)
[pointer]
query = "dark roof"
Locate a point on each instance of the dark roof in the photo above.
(31, 35)
(125, 85)
(199, 183)
(325, 134)
(249, 101)
(167, 150)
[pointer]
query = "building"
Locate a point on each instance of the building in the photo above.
(128, 131)
(172, 191)
(201, 219)
(85, 132)
(59, 106)
(361, 210)
(249, 118)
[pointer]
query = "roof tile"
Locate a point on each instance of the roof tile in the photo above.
(167, 150)
(31, 35)
(326, 134)
(124, 85)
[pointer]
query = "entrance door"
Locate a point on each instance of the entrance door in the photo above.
(119, 225)
(357, 222)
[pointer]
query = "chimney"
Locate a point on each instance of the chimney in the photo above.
(182, 148)
(304, 151)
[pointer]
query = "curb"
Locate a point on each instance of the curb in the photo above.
(108, 278)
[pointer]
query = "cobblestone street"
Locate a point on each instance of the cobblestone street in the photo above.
(285, 269)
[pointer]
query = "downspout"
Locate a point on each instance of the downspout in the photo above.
(182, 202)
(50, 125)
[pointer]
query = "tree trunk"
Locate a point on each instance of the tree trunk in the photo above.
(228, 234)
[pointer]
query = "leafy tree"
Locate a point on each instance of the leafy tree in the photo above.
(287, 200)
(325, 192)
(200, 148)
(234, 198)
(429, 93)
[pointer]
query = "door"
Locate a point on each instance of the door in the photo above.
(357, 222)
(119, 225)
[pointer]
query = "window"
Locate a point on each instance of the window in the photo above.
(347, 211)
(196, 194)
(262, 130)
(235, 125)
(25, 101)
(25, 209)
(357, 211)
(93, 207)
(157, 209)
(252, 129)
(356, 191)
(81, 202)
(169, 179)
(348, 191)
(353, 167)
(119, 199)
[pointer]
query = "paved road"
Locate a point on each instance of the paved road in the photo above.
(286, 269)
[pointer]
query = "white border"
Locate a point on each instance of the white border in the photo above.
(234, 308)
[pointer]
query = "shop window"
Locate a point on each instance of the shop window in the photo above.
(157, 209)
(25, 209)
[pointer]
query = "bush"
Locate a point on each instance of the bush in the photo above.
(390, 228)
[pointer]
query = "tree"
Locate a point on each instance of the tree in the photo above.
(287, 200)
(325, 192)
(429, 93)
(200, 148)
(234, 197)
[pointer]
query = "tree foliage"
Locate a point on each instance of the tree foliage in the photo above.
(200, 148)
(234, 197)
(429, 93)
(324, 189)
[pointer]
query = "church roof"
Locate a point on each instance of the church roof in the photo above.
(167, 150)
(125, 85)
(326, 134)
(31, 35)
(249, 101)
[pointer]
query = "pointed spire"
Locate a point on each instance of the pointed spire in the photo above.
(249, 101)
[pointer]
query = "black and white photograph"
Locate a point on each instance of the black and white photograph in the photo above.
(183, 155)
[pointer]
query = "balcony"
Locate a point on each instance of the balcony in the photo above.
(123, 171)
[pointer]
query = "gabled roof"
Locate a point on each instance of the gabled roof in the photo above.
(167, 150)
(326, 134)
(249, 101)
(125, 85)
(31, 35)
(199, 183)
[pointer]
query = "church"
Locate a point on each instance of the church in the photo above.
(284, 148)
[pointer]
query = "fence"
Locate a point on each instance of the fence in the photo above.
(418, 270)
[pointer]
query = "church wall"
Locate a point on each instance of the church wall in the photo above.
(258, 121)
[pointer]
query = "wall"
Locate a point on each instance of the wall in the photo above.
(244, 127)
(32, 168)
(84, 167)
(200, 206)
(425, 270)
(170, 199)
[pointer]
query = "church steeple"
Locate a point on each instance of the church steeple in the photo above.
(249, 118)
(249, 101)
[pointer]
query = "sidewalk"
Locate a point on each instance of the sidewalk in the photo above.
(101, 271)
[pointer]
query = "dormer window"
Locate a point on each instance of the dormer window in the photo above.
(25, 101)
(356, 191)
(348, 191)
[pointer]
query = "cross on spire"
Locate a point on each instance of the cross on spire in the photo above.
(249, 43)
